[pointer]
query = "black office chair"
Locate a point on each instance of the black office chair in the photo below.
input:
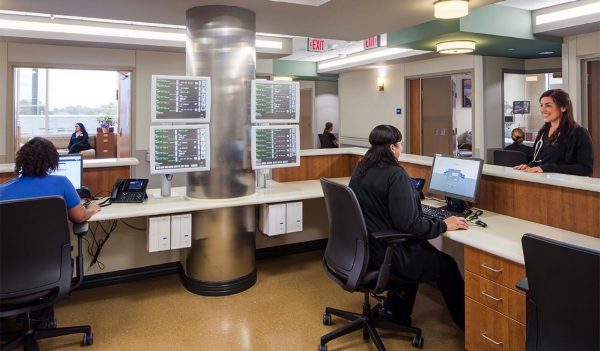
(36, 266)
(326, 142)
(563, 295)
(346, 262)
(509, 158)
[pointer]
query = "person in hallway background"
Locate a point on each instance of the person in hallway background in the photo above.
(390, 202)
(562, 145)
(517, 135)
(79, 140)
(328, 133)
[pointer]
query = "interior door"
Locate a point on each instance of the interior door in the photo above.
(593, 68)
(306, 117)
(436, 117)
(124, 131)
(414, 110)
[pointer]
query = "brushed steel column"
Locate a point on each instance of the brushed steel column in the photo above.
(221, 45)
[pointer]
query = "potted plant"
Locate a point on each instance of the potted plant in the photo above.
(105, 123)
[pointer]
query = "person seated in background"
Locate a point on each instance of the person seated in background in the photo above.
(328, 133)
(518, 136)
(561, 145)
(79, 140)
(389, 201)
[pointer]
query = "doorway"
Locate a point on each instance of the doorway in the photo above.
(593, 110)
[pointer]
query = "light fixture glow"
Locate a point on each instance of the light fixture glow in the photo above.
(268, 44)
(361, 58)
(531, 78)
(450, 8)
(455, 47)
(282, 78)
(573, 12)
(380, 83)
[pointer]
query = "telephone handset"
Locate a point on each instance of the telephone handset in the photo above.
(129, 190)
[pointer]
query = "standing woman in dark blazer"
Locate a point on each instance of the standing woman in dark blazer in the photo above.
(79, 140)
(389, 201)
(562, 145)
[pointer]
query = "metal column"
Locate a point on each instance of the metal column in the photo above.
(221, 44)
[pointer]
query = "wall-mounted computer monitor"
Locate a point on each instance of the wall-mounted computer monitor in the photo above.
(275, 102)
(275, 146)
(71, 166)
(177, 149)
(520, 107)
(457, 178)
(180, 99)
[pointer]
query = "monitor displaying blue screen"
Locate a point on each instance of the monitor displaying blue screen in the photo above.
(70, 166)
(455, 177)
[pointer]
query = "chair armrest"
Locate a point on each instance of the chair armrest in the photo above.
(80, 229)
(523, 285)
(392, 236)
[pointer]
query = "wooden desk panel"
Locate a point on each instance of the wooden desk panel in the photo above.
(315, 167)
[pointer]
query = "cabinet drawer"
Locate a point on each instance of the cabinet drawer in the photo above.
(488, 330)
(494, 268)
(509, 302)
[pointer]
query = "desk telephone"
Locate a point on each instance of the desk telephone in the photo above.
(129, 190)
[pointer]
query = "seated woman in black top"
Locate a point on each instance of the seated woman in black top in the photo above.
(79, 140)
(561, 146)
(389, 201)
(518, 136)
(328, 133)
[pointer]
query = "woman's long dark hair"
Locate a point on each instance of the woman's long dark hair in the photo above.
(567, 121)
(328, 126)
(379, 154)
(36, 158)
(82, 127)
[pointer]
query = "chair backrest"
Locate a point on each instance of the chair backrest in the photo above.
(563, 309)
(35, 254)
(347, 252)
(509, 158)
(326, 142)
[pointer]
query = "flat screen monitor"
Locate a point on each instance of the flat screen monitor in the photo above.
(275, 146)
(275, 102)
(457, 178)
(71, 166)
(180, 99)
(178, 149)
(520, 107)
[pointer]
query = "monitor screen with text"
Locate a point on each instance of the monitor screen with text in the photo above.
(177, 149)
(180, 99)
(70, 166)
(275, 146)
(275, 102)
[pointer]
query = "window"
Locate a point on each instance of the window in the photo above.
(50, 101)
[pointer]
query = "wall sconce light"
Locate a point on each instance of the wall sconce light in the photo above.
(380, 83)
(455, 47)
(450, 8)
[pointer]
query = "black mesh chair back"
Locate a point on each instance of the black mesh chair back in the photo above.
(326, 142)
(563, 301)
(347, 252)
(35, 253)
(509, 158)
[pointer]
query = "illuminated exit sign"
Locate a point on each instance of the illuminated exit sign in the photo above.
(314, 44)
(372, 42)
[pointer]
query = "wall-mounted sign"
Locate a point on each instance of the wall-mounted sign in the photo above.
(372, 42)
(317, 45)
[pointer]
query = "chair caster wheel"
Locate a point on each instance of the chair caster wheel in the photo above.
(88, 339)
(322, 348)
(52, 324)
(418, 341)
(326, 321)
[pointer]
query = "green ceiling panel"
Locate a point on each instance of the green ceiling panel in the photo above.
(422, 32)
(499, 20)
(300, 70)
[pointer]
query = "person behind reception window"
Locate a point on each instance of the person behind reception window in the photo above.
(79, 140)
(562, 145)
(34, 161)
(517, 135)
(389, 201)
(328, 133)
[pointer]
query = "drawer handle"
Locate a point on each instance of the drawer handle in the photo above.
(497, 299)
(490, 268)
(491, 340)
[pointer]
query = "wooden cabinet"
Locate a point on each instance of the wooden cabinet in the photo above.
(105, 145)
(494, 309)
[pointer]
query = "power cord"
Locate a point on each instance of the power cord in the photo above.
(95, 247)
(473, 217)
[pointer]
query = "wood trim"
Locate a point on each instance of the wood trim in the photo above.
(414, 111)
(593, 68)
(315, 167)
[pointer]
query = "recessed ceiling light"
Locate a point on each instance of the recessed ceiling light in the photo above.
(450, 8)
(511, 49)
(546, 52)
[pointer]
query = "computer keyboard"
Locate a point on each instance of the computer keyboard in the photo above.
(438, 212)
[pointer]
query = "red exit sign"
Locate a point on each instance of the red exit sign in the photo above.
(314, 44)
(371, 42)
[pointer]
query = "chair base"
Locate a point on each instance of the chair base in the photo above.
(368, 321)
(29, 338)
